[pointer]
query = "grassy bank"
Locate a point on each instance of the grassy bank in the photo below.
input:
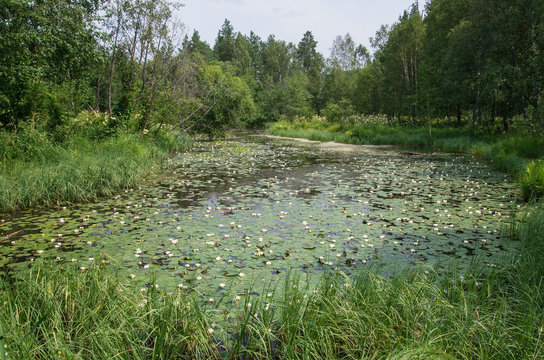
(419, 315)
(36, 169)
(519, 154)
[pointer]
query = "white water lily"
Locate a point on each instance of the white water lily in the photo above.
(222, 285)
(241, 274)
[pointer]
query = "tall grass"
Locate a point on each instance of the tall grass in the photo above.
(532, 180)
(89, 315)
(492, 314)
(35, 171)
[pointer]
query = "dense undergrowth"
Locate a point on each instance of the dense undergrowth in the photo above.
(92, 314)
(519, 153)
(89, 156)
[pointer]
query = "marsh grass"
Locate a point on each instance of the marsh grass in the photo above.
(37, 172)
(532, 180)
(419, 314)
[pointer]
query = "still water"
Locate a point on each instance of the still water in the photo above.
(227, 216)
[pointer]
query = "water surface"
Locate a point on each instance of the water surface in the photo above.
(230, 215)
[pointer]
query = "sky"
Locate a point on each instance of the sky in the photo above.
(288, 20)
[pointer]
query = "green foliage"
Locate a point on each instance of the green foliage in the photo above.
(95, 158)
(288, 98)
(231, 104)
(224, 44)
(49, 42)
(340, 112)
(532, 181)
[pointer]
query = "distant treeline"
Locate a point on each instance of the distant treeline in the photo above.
(471, 61)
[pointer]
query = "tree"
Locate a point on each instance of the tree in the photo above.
(400, 58)
(242, 58)
(47, 48)
(443, 82)
(347, 54)
(230, 103)
(307, 52)
(312, 64)
(224, 43)
(196, 45)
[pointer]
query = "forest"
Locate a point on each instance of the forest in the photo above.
(469, 62)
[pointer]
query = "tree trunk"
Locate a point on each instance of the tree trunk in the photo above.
(112, 63)
(458, 115)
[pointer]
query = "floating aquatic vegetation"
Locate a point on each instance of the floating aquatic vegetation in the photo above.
(233, 217)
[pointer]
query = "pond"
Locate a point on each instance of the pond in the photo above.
(229, 216)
